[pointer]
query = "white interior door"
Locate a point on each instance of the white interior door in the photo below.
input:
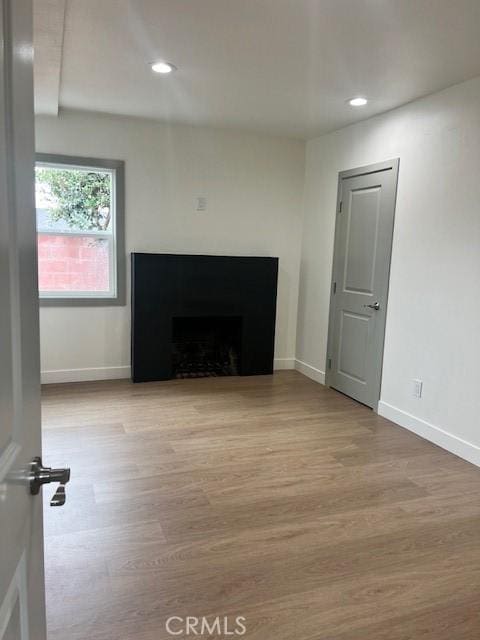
(22, 603)
(361, 268)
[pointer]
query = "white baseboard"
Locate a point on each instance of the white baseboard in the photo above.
(438, 436)
(311, 372)
(116, 373)
(84, 375)
(279, 364)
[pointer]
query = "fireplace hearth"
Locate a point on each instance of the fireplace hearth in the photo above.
(199, 316)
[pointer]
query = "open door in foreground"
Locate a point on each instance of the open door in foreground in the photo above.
(22, 597)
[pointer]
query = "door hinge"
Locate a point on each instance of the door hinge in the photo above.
(340, 207)
(329, 363)
(334, 288)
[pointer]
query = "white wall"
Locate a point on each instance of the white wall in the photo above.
(254, 186)
(433, 320)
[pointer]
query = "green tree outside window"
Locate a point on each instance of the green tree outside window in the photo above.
(82, 199)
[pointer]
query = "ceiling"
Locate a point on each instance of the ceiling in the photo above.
(49, 20)
(281, 67)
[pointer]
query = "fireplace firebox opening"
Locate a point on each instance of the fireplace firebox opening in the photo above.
(206, 346)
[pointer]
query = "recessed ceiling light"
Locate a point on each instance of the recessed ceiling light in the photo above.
(358, 102)
(162, 67)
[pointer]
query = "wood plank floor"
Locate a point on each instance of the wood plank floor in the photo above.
(271, 498)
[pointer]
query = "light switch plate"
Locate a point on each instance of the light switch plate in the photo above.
(201, 203)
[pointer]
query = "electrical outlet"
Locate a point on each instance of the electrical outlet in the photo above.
(417, 388)
(201, 203)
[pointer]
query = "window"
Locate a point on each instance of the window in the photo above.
(80, 230)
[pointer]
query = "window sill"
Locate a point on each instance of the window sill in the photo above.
(119, 301)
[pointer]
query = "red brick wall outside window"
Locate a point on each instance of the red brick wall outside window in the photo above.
(73, 263)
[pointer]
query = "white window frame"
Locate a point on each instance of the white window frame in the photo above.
(115, 237)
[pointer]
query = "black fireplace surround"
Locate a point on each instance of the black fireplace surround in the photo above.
(195, 316)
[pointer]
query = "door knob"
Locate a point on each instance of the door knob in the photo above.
(375, 305)
(44, 475)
